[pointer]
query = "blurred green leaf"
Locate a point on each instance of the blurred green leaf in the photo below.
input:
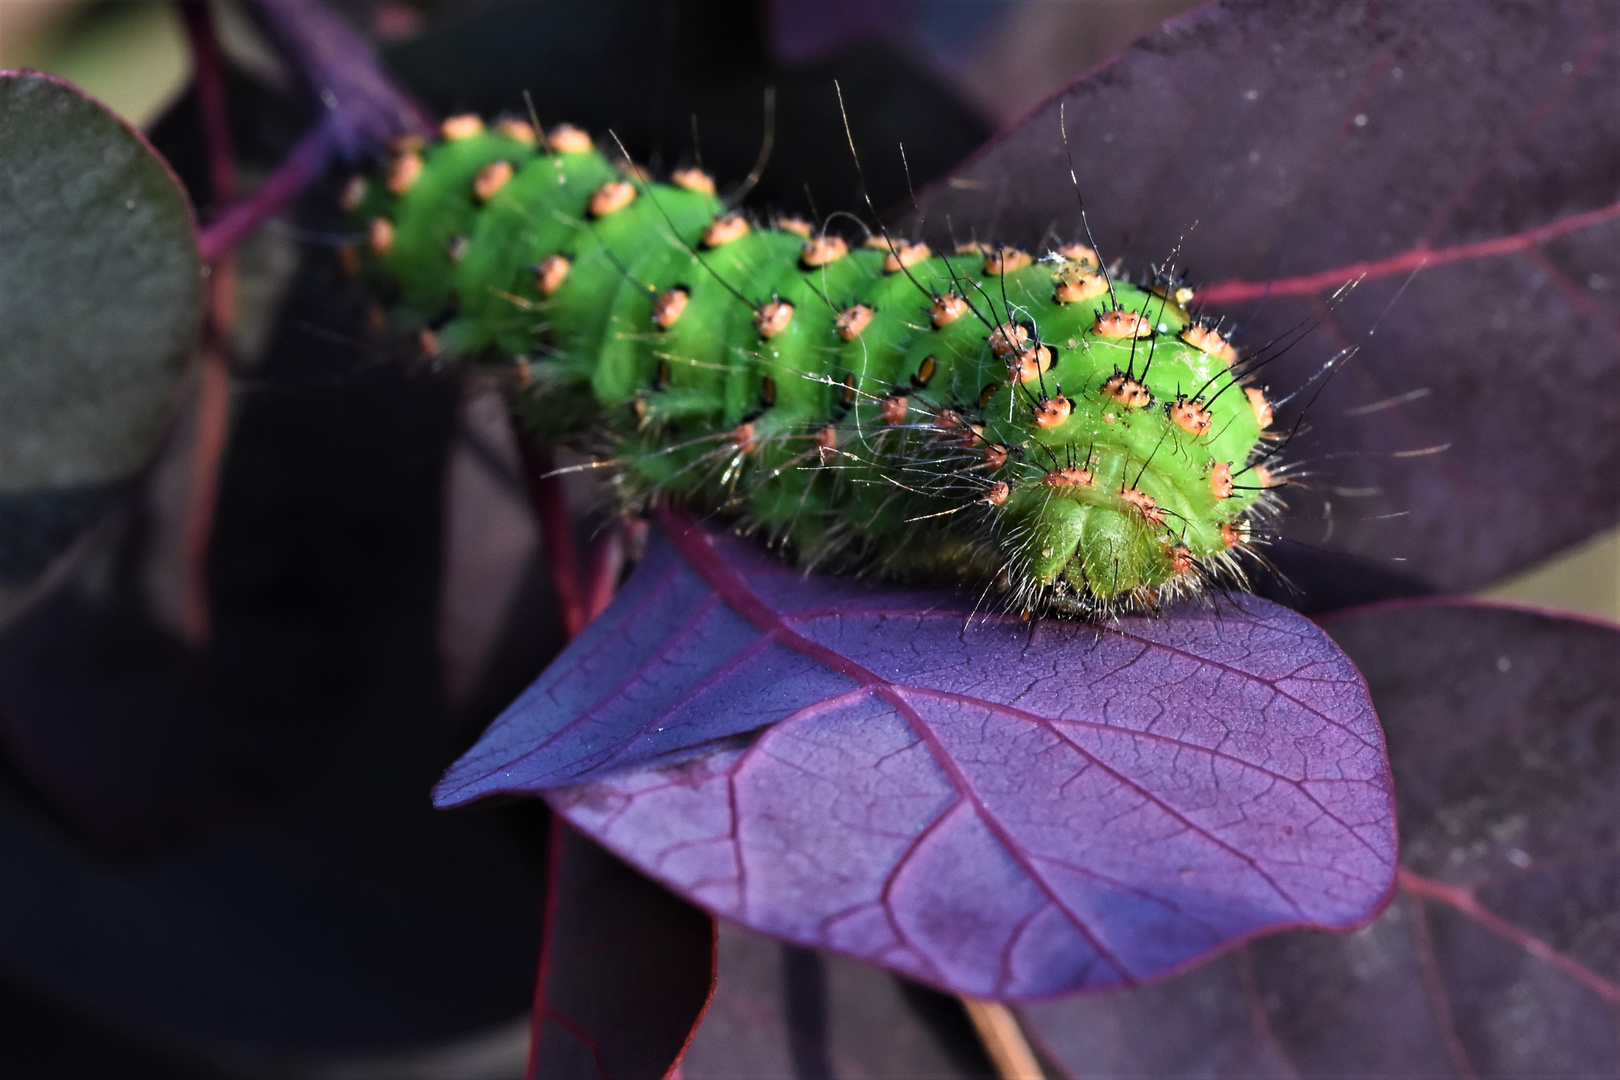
(100, 295)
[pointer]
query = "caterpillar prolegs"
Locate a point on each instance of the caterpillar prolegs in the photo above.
(1037, 426)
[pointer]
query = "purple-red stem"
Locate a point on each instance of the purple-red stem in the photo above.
(607, 557)
(364, 108)
(547, 929)
(557, 530)
(580, 597)
(301, 167)
(214, 387)
(305, 33)
(208, 64)
(584, 588)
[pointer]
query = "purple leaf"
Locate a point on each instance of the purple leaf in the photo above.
(780, 1010)
(625, 973)
(364, 107)
(995, 807)
(1501, 955)
(1462, 161)
(802, 33)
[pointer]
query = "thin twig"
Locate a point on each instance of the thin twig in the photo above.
(602, 576)
(1003, 1040)
(207, 463)
(208, 63)
(557, 530)
(364, 108)
(214, 387)
(302, 165)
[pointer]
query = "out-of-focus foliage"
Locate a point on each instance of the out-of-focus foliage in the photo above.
(100, 295)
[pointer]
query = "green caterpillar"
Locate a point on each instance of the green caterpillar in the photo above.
(1042, 429)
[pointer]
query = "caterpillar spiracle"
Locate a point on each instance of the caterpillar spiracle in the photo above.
(1032, 426)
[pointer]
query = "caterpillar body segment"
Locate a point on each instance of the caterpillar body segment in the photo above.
(1026, 424)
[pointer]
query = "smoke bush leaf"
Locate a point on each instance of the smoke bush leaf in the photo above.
(100, 292)
(1461, 164)
(1499, 956)
(626, 969)
(995, 807)
(782, 1010)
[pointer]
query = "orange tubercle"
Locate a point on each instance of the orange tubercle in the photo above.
(380, 235)
(773, 318)
(464, 126)
(1190, 416)
(1209, 340)
(403, 172)
(822, 250)
(1260, 406)
(947, 309)
(1052, 411)
(1071, 476)
(724, 229)
(568, 139)
(695, 180)
(1079, 253)
(1143, 503)
(551, 272)
(1029, 364)
(1127, 391)
(1121, 323)
(668, 306)
(1084, 287)
(904, 255)
(1007, 338)
(1005, 260)
(490, 179)
(519, 130)
(852, 320)
(612, 197)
